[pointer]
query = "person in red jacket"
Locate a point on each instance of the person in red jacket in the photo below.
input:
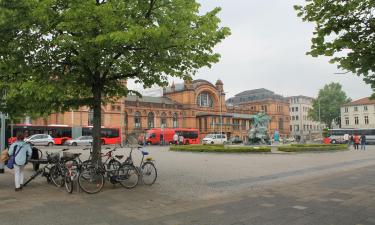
(356, 140)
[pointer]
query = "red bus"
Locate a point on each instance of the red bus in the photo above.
(157, 135)
(61, 133)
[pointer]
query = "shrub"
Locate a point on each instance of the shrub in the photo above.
(219, 148)
(311, 148)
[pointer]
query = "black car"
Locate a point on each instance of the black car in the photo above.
(235, 140)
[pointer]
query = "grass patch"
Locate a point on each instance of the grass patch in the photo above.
(219, 148)
(312, 148)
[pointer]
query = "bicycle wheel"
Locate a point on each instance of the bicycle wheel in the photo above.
(127, 176)
(70, 174)
(56, 176)
(90, 180)
(149, 173)
(112, 167)
(69, 184)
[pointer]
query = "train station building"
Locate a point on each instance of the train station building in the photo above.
(192, 104)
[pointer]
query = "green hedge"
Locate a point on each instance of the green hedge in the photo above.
(218, 148)
(312, 148)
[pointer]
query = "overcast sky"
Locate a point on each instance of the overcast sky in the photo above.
(267, 50)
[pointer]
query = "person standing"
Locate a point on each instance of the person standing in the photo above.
(276, 137)
(346, 138)
(22, 151)
(181, 139)
(363, 142)
(175, 139)
(356, 139)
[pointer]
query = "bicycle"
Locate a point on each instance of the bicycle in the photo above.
(45, 171)
(73, 169)
(146, 169)
(91, 178)
(59, 170)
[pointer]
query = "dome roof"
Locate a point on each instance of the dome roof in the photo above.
(219, 82)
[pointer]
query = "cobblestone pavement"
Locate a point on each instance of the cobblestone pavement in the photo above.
(204, 188)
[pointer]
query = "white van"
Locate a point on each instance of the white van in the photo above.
(215, 139)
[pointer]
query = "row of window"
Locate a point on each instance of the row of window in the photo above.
(151, 120)
(356, 120)
(305, 127)
(365, 108)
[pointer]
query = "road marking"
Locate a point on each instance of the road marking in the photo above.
(267, 205)
(218, 212)
(299, 207)
(336, 200)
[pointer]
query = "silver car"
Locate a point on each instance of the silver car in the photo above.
(83, 140)
(40, 139)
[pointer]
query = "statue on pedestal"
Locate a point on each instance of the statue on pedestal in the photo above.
(258, 134)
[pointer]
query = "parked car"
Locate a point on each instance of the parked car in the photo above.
(83, 140)
(235, 140)
(40, 139)
(215, 139)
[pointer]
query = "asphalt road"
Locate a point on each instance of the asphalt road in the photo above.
(317, 188)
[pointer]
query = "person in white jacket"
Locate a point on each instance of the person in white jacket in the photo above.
(22, 152)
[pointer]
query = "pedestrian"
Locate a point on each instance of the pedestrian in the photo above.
(346, 138)
(22, 151)
(363, 142)
(276, 137)
(351, 140)
(356, 139)
(175, 139)
(181, 140)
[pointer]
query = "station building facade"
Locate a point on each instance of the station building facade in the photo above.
(192, 104)
(263, 100)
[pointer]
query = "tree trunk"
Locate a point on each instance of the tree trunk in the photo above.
(96, 134)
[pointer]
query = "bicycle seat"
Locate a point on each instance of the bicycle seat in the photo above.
(119, 156)
(144, 153)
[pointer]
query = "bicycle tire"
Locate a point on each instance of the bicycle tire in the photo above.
(149, 173)
(112, 167)
(56, 177)
(127, 175)
(69, 184)
(90, 180)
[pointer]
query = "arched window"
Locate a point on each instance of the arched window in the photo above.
(150, 120)
(204, 100)
(163, 120)
(137, 120)
(281, 124)
(175, 120)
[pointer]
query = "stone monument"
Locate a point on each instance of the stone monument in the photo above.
(258, 134)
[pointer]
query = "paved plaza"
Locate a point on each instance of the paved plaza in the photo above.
(210, 188)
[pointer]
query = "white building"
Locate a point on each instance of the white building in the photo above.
(358, 114)
(300, 124)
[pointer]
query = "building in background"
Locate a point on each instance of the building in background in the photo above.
(358, 114)
(192, 104)
(263, 100)
(301, 126)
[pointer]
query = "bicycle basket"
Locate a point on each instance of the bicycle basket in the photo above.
(53, 158)
(68, 155)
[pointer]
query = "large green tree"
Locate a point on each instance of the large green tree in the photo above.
(61, 54)
(326, 107)
(344, 31)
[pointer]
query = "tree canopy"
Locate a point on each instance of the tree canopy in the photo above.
(62, 54)
(330, 98)
(344, 31)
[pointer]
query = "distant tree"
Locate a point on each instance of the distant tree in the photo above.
(61, 54)
(344, 31)
(330, 98)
